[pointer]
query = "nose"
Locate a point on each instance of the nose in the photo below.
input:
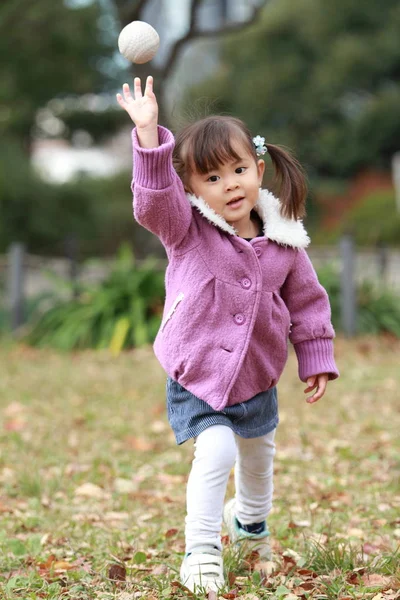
(231, 183)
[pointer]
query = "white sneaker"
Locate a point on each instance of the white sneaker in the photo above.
(246, 541)
(203, 569)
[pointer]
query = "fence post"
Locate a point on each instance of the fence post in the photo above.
(16, 255)
(396, 178)
(71, 250)
(383, 261)
(347, 285)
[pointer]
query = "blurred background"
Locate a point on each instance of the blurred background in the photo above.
(322, 78)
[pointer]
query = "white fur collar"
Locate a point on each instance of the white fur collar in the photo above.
(287, 232)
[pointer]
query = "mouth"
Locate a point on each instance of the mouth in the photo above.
(235, 202)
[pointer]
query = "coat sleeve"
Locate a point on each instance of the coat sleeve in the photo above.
(159, 200)
(311, 329)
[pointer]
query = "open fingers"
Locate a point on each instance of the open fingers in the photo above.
(125, 97)
(149, 86)
(137, 88)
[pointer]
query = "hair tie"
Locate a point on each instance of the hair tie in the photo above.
(259, 144)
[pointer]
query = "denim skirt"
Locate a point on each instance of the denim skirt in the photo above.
(189, 416)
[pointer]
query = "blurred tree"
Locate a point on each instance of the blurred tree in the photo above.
(47, 49)
(322, 78)
(136, 11)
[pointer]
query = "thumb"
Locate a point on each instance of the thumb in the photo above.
(311, 381)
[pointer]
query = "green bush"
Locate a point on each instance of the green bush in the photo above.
(97, 212)
(373, 220)
(121, 312)
(378, 310)
(125, 310)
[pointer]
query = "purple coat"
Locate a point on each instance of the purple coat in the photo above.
(231, 305)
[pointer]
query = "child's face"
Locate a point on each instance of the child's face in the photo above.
(232, 189)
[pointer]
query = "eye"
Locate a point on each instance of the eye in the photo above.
(213, 178)
(240, 170)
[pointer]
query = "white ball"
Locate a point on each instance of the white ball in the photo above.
(138, 42)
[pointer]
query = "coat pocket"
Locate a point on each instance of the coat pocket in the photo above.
(171, 311)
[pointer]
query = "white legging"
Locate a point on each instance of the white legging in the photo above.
(217, 450)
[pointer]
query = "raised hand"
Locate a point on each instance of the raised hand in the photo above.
(143, 110)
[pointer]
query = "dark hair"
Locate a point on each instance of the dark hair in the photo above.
(204, 145)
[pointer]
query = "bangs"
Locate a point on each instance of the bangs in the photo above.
(212, 145)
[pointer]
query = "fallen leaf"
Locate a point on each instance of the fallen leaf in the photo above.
(90, 490)
(160, 570)
(307, 573)
(299, 523)
(14, 409)
(139, 443)
(171, 532)
(353, 578)
(370, 548)
(180, 586)
(267, 566)
(50, 560)
(375, 580)
(355, 532)
(158, 426)
(15, 424)
(289, 553)
(125, 486)
(307, 586)
(62, 565)
(117, 573)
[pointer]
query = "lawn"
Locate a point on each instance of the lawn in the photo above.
(92, 484)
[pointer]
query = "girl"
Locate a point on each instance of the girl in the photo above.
(238, 285)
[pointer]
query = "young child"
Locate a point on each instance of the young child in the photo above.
(239, 284)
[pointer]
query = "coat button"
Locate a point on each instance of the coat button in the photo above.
(239, 319)
(258, 250)
(246, 283)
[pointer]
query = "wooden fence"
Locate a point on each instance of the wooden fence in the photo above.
(24, 276)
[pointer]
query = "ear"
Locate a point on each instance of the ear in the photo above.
(260, 170)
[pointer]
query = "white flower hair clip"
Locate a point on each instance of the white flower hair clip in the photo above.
(259, 144)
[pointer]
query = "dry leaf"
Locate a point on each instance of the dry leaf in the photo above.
(375, 580)
(16, 424)
(125, 486)
(47, 565)
(139, 443)
(267, 566)
(90, 490)
(180, 586)
(14, 409)
(160, 570)
(158, 426)
(62, 565)
(171, 532)
(117, 573)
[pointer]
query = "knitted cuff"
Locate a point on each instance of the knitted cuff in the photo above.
(316, 357)
(152, 167)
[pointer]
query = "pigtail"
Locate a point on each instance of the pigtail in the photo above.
(290, 177)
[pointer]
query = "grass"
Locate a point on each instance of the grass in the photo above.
(92, 485)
